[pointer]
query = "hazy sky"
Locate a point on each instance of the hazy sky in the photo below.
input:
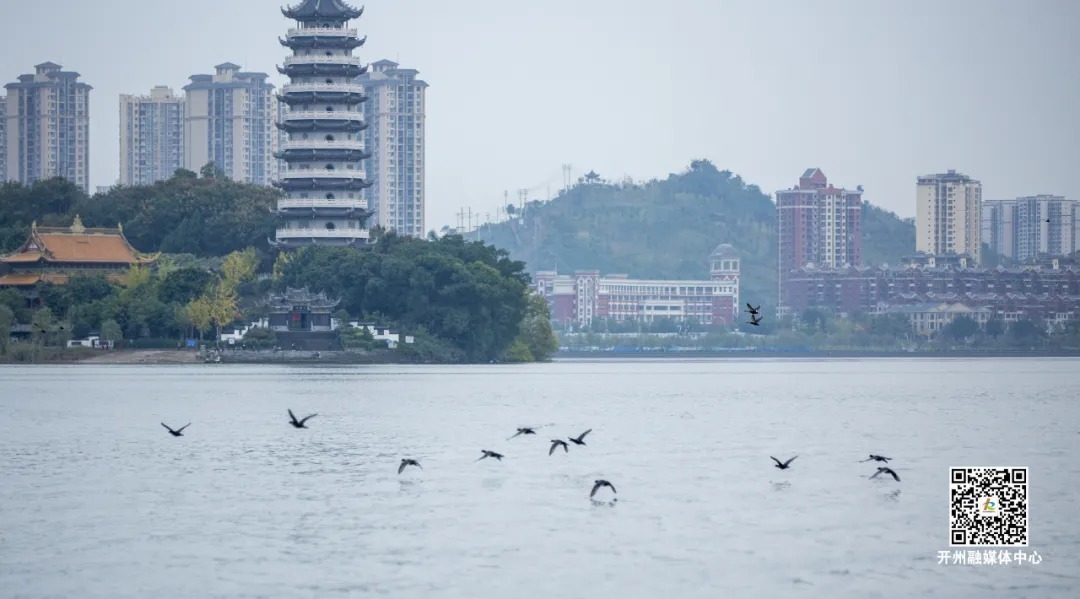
(872, 92)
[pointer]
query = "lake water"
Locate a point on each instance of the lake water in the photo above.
(97, 500)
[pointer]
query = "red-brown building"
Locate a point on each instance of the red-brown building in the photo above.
(818, 225)
(1050, 293)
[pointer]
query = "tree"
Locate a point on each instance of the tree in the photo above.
(260, 337)
(17, 303)
(111, 332)
(42, 326)
(995, 327)
(239, 267)
(536, 334)
(7, 320)
(961, 327)
(212, 171)
(184, 284)
(198, 314)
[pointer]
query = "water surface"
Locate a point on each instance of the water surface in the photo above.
(97, 500)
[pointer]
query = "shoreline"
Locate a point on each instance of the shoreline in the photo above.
(739, 355)
(172, 356)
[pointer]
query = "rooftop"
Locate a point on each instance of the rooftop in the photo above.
(77, 244)
(314, 9)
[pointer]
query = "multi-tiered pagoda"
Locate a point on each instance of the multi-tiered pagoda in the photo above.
(323, 180)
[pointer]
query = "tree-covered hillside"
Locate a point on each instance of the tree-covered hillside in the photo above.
(666, 229)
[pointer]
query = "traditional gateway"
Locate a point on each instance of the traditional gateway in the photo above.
(586, 295)
(54, 254)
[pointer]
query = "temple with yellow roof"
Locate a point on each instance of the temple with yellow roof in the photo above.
(53, 254)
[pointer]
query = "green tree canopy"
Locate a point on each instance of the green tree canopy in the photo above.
(469, 294)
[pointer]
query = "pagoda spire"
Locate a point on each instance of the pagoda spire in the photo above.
(322, 9)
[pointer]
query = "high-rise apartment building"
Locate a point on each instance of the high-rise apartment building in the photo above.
(1025, 228)
(323, 178)
(3, 140)
(229, 120)
(948, 215)
(395, 138)
(47, 126)
(817, 224)
(151, 136)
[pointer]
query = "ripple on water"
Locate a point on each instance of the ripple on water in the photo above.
(97, 501)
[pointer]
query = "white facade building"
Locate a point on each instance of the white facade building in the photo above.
(229, 120)
(47, 127)
(151, 136)
(948, 215)
(395, 138)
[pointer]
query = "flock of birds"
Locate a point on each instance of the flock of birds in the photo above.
(555, 444)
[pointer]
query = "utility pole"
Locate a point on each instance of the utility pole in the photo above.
(506, 202)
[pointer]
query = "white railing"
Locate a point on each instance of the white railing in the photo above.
(309, 31)
(322, 60)
(321, 203)
(324, 233)
(322, 87)
(323, 173)
(321, 144)
(324, 114)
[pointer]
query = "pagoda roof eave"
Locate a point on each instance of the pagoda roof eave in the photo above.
(322, 9)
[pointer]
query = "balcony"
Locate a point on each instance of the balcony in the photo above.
(321, 203)
(327, 31)
(350, 88)
(315, 59)
(303, 115)
(320, 144)
(322, 173)
(323, 233)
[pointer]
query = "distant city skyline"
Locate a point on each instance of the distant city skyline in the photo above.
(643, 89)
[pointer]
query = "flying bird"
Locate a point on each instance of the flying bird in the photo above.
(555, 443)
(178, 432)
(408, 462)
(783, 465)
(601, 483)
(755, 320)
(876, 458)
(523, 431)
(490, 454)
(752, 309)
(299, 423)
(883, 470)
(580, 438)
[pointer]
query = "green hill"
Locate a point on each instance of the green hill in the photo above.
(666, 229)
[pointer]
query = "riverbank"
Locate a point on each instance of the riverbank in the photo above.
(172, 356)
(740, 355)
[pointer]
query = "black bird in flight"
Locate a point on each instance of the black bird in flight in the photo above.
(556, 443)
(178, 432)
(299, 423)
(523, 431)
(783, 465)
(752, 309)
(580, 438)
(876, 458)
(408, 462)
(1047, 220)
(755, 320)
(490, 454)
(601, 483)
(883, 470)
